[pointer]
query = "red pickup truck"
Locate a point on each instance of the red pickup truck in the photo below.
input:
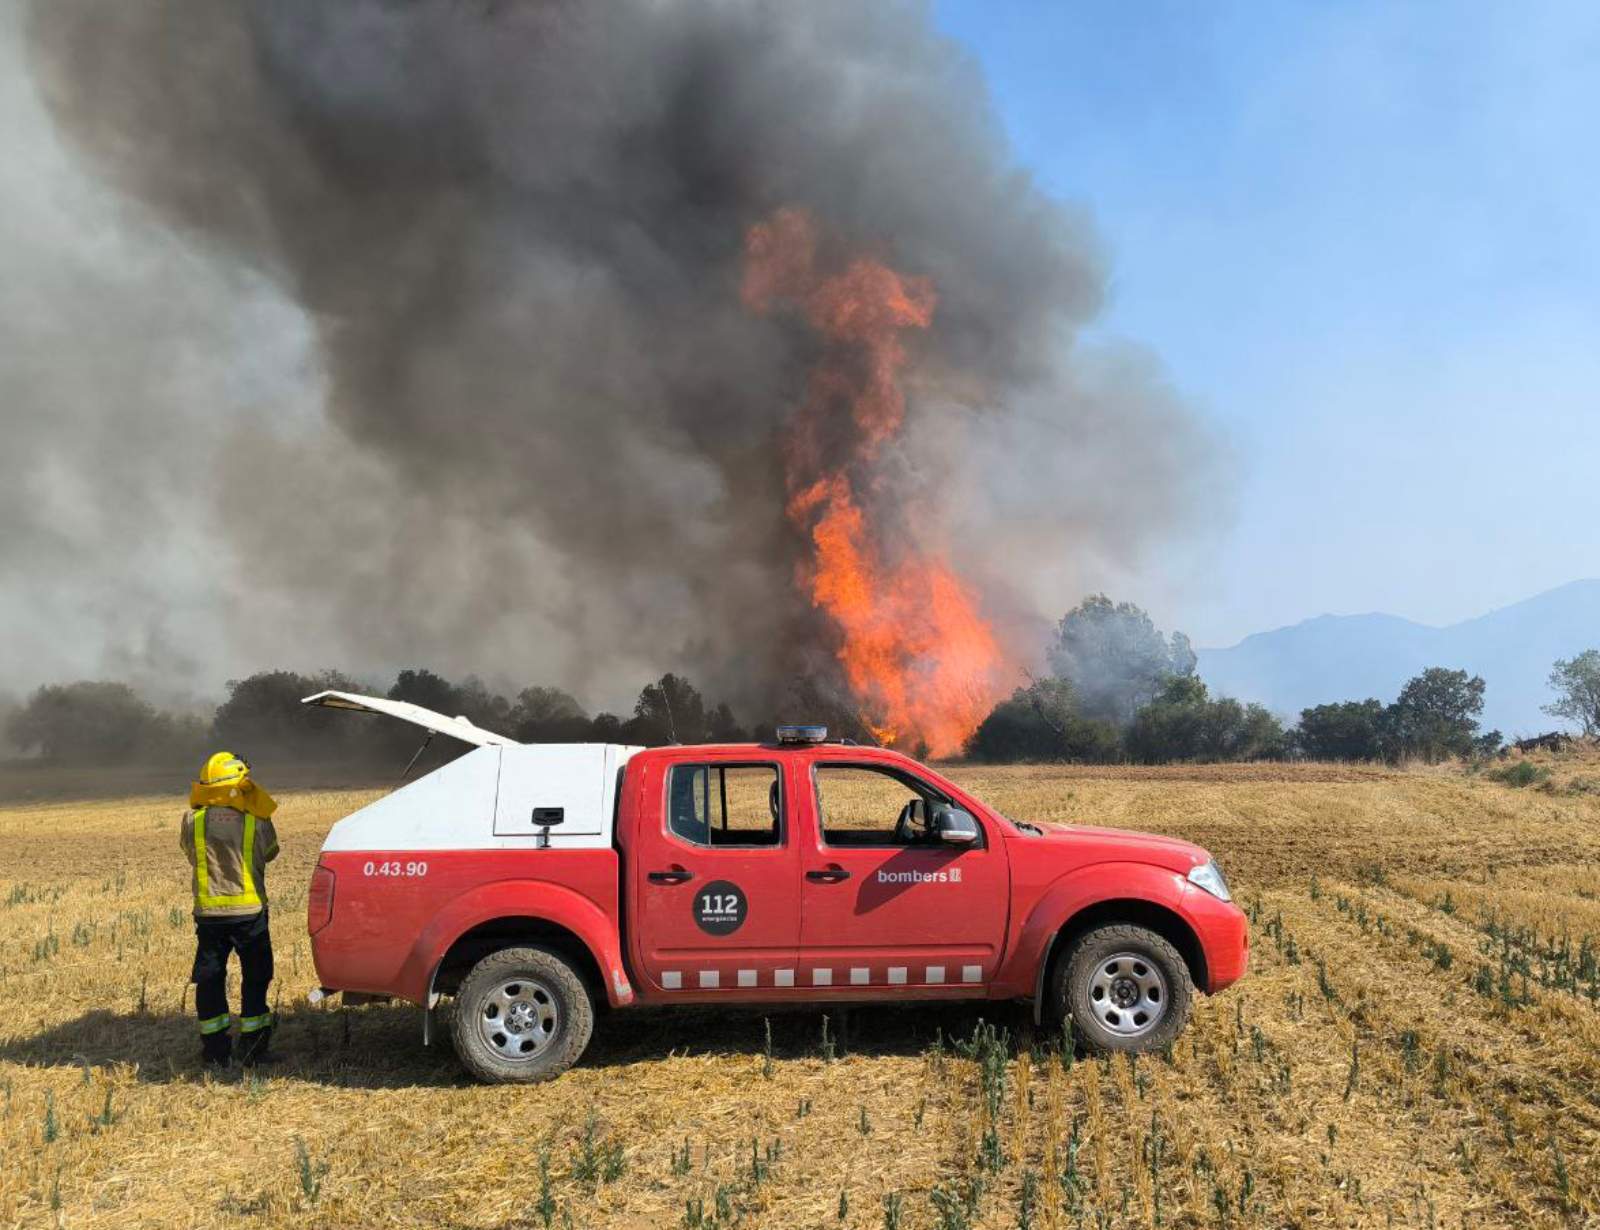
(530, 883)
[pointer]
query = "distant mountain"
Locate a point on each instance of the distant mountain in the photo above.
(1351, 657)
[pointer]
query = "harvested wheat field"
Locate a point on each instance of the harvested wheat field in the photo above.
(1417, 1044)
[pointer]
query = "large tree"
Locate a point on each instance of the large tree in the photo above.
(1576, 683)
(475, 702)
(1436, 715)
(98, 722)
(670, 710)
(262, 715)
(1185, 723)
(431, 691)
(1347, 730)
(469, 699)
(1041, 723)
(548, 715)
(1115, 658)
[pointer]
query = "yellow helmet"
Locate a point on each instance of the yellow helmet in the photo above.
(225, 781)
(224, 769)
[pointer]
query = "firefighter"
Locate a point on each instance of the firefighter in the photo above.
(228, 836)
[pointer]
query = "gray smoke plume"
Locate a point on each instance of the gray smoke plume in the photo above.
(497, 405)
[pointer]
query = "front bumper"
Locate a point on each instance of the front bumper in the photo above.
(1224, 933)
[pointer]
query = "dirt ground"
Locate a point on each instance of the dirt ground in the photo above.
(1417, 1044)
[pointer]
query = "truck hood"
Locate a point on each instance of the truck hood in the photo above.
(1172, 852)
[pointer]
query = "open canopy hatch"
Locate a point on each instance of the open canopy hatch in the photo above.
(455, 727)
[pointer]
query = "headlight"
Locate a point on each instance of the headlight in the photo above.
(1209, 877)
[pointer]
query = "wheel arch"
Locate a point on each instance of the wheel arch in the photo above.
(506, 913)
(512, 931)
(1137, 911)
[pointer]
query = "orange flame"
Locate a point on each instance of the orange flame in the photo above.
(919, 659)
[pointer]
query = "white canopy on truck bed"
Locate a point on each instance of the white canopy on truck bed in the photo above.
(455, 727)
(502, 795)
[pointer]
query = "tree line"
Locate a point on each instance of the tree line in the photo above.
(262, 715)
(1121, 690)
(1117, 690)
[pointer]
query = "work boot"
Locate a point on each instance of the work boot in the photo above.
(253, 1048)
(216, 1049)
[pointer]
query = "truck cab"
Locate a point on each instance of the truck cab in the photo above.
(530, 884)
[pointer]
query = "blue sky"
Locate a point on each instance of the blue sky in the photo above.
(1365, 240)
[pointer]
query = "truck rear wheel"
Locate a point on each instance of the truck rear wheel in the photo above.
(1125, 988)
(521, 1015)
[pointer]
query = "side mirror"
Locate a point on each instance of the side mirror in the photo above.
(955, 827)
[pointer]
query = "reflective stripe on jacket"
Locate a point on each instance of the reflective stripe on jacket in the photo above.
(229, 851)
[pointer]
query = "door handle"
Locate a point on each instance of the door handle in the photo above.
(676, 876)
(828, 875)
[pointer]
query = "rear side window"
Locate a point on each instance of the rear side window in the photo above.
(725, 804)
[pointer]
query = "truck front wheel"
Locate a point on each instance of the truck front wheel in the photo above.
(521, 1015)
(1125, 989)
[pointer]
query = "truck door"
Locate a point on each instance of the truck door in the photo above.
(883, 905)
(713, 871)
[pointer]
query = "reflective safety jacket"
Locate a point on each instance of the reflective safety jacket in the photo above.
(229, 851)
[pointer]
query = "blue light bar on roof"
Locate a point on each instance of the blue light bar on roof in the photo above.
(802, 734)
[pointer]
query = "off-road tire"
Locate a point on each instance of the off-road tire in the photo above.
(574, 1016)
(1071, 984)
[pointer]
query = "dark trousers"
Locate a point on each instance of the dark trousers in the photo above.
(214, 940)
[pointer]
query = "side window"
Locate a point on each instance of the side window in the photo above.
(725, 804)
(868, 806)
